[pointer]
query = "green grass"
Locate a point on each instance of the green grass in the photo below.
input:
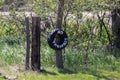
(11, 54)
(65, 74)
(56, 75)
(101, 64)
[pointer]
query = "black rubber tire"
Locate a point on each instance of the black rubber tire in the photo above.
(63, 39)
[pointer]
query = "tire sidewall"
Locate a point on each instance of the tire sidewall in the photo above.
(63, 38)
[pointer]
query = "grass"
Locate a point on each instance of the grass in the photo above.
(52, 73)
(102, 65)
(56, 75)
(10, 55)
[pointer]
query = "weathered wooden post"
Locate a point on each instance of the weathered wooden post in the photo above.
(116, 30)
(35, 53)
(116, 27)
(27, 30)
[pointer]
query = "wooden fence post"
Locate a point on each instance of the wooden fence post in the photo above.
(27, 30)
(35, 53)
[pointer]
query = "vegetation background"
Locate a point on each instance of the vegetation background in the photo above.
(93, 52)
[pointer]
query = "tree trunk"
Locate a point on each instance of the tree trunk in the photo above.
(35, 55)
(59, 59)
(116, 27)
(27, 43)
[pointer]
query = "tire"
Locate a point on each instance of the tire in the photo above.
(57, 39)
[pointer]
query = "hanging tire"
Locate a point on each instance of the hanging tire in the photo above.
(57, 39)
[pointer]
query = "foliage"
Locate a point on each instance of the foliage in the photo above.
(87, 35)
(1, 3)
(79, 31)
(12, 30)
(10, 55)
(73, 58)
(85, 32)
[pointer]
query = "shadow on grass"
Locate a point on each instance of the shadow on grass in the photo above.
(97, 74)
(66, 71)
(45, 72)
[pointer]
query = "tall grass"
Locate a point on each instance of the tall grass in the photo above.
(73, 58)
(11, 54)
(97, 59)
(47, 56)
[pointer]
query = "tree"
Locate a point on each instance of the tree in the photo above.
(59, 59)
